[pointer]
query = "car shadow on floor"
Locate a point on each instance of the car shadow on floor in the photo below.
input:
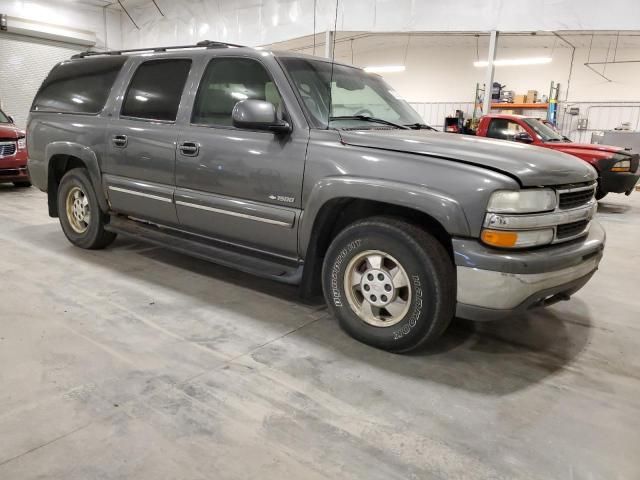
(490, 358)
(615, 208)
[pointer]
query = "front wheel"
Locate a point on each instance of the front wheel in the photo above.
(81, 219)
(390, 284)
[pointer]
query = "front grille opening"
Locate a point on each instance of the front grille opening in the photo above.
(569, 230)
(575, 199)
(7, 149)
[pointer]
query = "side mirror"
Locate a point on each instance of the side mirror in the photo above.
(258, 115)
(523, 137)
(11, 120)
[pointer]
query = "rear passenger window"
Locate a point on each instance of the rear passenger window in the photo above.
(78, 86)
(155, 89)
(227, 81)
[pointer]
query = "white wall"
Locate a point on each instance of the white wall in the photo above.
(447, 74)
(252, 22)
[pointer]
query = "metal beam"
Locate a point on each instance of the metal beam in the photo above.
(130, 18)
(488, 83)
(329, 47)
(154, 2)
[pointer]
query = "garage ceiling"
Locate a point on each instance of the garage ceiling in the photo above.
(373, 41)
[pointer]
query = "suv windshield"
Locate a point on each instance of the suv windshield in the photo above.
(353, 93)
(4, 118)
(545, 132)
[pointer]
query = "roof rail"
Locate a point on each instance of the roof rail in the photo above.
(202, 44)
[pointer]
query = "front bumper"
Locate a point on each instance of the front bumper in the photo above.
(13, 168)
(618, 182)
(493, 284)
(18, 174)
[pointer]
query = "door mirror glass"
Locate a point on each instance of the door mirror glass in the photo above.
(523, 137)
(258, 115)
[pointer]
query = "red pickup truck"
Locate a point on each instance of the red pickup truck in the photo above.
(13, 153)
(617, 168)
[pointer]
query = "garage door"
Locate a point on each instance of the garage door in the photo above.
(24, 63)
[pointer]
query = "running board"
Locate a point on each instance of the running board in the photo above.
(213, 252)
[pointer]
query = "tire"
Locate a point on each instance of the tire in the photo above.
(22, 184)
(85, 227)
(422, 309)
(600, 194)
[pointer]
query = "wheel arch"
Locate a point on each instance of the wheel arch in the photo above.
(438, 214)
(64, 156)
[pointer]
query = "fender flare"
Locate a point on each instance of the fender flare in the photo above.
(88, 157)
(443, 208)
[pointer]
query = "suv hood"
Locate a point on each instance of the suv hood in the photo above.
(9, 131)
(532, 166)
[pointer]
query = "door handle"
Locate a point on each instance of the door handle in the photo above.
(189, 149)
(119, 141)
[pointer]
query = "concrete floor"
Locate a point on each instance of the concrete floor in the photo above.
(138, 363)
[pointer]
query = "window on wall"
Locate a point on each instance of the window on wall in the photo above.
(155, 89)
(504, 129)
(225, 82)
(78, 86)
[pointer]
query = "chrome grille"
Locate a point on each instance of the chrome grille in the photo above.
(7, 148)
(575, 196)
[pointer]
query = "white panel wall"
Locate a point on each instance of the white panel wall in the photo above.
(447, 73)
(25, 63)
(253, 22)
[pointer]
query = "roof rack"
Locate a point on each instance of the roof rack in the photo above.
(202, 44)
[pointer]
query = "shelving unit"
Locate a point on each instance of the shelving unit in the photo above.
(515, 106)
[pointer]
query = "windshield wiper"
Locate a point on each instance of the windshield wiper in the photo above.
(369, 119)
(420, 126)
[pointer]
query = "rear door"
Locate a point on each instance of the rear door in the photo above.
(139, 165)
(240, 185)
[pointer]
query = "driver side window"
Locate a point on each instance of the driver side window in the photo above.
(504, 129)
(225, 82)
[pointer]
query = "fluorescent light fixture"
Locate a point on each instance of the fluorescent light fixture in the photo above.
(385, 69)
(515, 62)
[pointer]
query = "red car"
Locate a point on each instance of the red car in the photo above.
(13, 153)
(617, 168)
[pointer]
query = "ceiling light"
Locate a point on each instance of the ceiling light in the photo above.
(385, 69)
(515, 61)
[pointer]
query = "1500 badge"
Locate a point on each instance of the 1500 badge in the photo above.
(282, 198)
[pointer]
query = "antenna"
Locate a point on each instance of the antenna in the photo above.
(333, 62)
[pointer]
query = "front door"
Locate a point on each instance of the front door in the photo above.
(139, 165)
(239, 185)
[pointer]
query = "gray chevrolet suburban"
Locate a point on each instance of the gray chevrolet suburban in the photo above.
(311, 173)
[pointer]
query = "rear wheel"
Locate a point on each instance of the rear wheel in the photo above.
(81, 219)
(390, 284)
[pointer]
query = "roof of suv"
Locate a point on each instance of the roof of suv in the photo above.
(204, 48)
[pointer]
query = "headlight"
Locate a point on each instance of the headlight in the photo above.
(522, 201)
(22, 143)
(517, 239)
(621, 166)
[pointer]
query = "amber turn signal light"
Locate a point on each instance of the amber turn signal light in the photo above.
(499, 238)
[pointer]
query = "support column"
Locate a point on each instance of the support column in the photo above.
(488, 83)
(329, 37)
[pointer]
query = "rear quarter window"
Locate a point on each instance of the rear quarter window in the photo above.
(78, 86)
